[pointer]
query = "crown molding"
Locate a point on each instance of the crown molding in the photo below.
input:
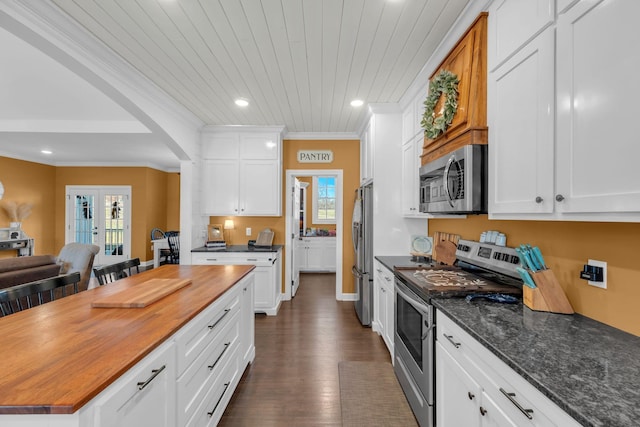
(321, 136)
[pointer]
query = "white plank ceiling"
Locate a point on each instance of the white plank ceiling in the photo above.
(299, 63)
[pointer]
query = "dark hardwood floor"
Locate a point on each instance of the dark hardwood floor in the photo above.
(293, 380)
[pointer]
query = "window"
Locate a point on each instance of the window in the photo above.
(324, 199)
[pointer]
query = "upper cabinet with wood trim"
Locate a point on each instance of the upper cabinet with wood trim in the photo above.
(467, 60)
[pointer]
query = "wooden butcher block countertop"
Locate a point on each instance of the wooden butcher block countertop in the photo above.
(58, 356)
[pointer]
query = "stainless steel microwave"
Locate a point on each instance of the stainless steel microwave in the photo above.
(455, 183)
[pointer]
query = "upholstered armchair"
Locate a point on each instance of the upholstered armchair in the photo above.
(78, 257)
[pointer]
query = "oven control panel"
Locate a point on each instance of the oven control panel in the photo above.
(492, 257)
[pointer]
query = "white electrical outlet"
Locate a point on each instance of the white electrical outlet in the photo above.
(248, 231)
(602, 264)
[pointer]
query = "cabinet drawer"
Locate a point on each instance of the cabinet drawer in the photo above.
(216, 399)
(197, 335)
(202, 373)
(237, 258)
(144, 395)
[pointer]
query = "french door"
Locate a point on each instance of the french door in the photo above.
(100, 216)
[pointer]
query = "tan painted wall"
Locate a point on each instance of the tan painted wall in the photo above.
(155, 195)
(566, 247)
(31, 183)
(149, 194)
(346, 154)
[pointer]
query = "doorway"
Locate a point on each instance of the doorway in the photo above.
(292, 225)
(100, 216)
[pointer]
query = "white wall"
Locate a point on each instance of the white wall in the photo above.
(391, 231)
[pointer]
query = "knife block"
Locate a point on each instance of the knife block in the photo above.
(547, 296)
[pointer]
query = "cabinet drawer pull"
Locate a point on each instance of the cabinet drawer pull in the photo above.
(450, 339)
(482, 411)
(511, 397)
(226, 311)
(154, 373)
(471, 395)
(226, 346)
(212, 259)
(252, 259)
(226, 386)
(387, 279)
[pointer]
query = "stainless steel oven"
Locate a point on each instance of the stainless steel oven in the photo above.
(413, 351)
(455, 182)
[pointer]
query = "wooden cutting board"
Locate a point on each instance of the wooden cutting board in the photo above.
(439, 237)
(446, 252)
(142, 294)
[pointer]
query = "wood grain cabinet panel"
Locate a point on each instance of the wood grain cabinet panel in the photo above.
(469, 126)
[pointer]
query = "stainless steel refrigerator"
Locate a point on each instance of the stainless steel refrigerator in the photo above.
(362, 235)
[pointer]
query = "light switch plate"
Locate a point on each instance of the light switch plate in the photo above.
(248, 231)
(602, 264)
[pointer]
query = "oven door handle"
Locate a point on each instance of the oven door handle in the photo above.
(420, 307)
(428, 331)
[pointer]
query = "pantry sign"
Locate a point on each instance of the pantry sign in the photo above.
(315, 156)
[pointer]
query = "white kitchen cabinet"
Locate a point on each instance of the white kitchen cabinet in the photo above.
(242, 172)
(475, 388)
(521, 119)
(268, 274)
(513, 24)
(457, 392)
(366, 153)
(317, 254)
(560, 110)
(247, 321)
(383, 298)
(597, 97)
(143, 396)
(411, 151)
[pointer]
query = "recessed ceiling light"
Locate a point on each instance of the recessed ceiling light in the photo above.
(46, 151)
(240, 102)
(357, 103)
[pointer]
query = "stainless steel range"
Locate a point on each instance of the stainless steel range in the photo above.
(480, 269)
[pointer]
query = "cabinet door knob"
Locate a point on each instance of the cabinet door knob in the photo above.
(482, 411)
(471, 395)
(559, 198)
(539, 199)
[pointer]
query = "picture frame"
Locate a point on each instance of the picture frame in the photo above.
(215, 232)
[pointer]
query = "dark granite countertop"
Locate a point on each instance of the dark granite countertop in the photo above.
(589, 369)
(238, 248)
(400, 261)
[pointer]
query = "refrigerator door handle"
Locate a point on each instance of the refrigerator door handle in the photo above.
(355, 272)
(355, 235)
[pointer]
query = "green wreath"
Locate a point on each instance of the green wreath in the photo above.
(445, 82)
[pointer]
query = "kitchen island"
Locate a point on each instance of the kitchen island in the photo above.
(590, 370)
(66, 363)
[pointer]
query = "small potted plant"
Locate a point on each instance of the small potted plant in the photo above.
(17, 212)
